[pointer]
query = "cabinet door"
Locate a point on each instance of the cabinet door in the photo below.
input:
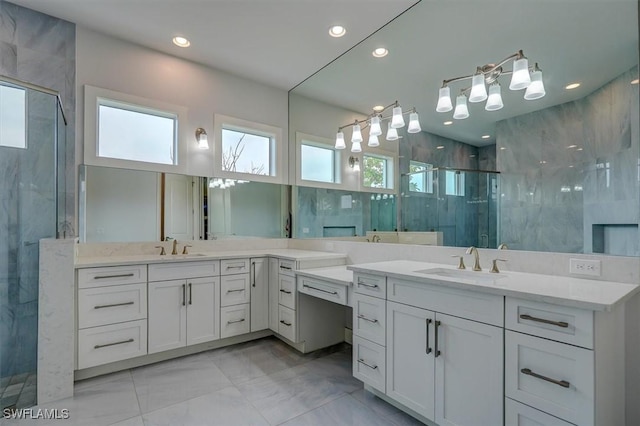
(203, 310)
(469, 372)
(410, 357)
(167, 315)
(273, 294)
(259, 294)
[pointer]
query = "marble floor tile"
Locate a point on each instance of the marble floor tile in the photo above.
(344, 411)
(134, 421)
(178, 380)
(121, 376)
(226, 407)
(382, 408)
(403, 419)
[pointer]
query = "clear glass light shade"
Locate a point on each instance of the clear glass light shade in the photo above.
(494, 102)
(461, 111)
(373, 140)
(356, 165)
(376, 130)
(356, 147)
(340, 141)
(392, 134)
(414, 123)
(396, 120)
(520, 78)
(203, 142)
(356, 137)
(478, 89)
(536, 88)
(444, 100)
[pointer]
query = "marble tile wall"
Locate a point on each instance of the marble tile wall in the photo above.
(567, 168)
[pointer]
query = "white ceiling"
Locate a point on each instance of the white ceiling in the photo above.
(277, 42)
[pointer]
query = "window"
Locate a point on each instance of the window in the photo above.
(318, 164)
(454, 183)
(420, 177)
(377, 171)
(130, 132)
(246, 152)
(13, 117)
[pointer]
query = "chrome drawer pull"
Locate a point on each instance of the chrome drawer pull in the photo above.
(544, 321)
(113, 344)
(100, 277)
(562, 383)
(373, 367)
(233, 291)
(285, 291)
(236, 267)
(113, 305)
(367, 285)
(233, 322)
(288, 268)
(319, 289)
(288, 324)
(367, 319)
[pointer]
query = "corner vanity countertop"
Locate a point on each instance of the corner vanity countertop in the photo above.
(289, 254)
(566, 291)
(335, 274)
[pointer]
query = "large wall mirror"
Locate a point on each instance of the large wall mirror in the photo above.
(554, 173)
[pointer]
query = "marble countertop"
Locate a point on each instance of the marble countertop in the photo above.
(289, 254)
(567, 291)
(335, 274)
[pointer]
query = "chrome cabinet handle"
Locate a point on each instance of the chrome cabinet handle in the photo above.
(234, 290)
(319, 289)
(428, 350)
(437, 351)
(288, 324)
(113, 344)
(544, 321)
(285, 291)
(236, 267)
(113, 305)
(288, 268)
(373, 367)
(236, 321)
(367, 319)
(101, 277)
(562, 383)
(184, 295)
(190, 295)
(367, 285)
(253, 270)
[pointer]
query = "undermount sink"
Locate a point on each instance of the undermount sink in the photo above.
(461, 274)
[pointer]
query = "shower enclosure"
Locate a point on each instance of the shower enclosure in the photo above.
(462, 204)
(32, 147)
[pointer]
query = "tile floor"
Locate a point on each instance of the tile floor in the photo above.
(264, 382)
(18, 390)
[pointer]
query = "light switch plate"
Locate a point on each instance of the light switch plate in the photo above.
(585, 267)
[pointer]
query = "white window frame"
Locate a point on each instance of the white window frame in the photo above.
(338, 162)
(459, 183)
(26, 116)
(427, 177)
(277, 155)
(95, 96)
(390, 167)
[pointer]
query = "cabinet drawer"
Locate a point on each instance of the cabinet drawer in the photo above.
(183, 270)
(286, 267)
(326, 290)
(369, 318)
(482, 307)
(371, 285)
(561, 323)
(110, 305)
(517, 414)
(287, 324)
(234, 289)
(110, 343)
(234, 320)
(112, 275)
(287, 291)
(234, 266)
(369, 361)
(553, 377)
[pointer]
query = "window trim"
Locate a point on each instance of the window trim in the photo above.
(93, 96)
(426, 182)
(26, 115)
(277, 149)
(390, 178)
(339, 162)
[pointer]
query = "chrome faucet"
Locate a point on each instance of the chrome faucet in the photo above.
(175, 247)
(375, 238)
(476, 264)
(502, 246)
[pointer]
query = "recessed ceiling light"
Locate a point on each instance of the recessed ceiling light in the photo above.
(572, 86)
(380, 52)
(337, 31)
(378, 108)
(440, 147)
(448, 123)
(486, 136)
(579, 149)
(181, 41)
(572, 146)
(636, 81)
(472, 156)
(502, 148)
(543, 162)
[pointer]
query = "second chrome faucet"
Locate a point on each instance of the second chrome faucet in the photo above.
(476, 263)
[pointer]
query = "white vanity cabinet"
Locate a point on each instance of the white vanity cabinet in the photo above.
(259, 276)
(183, 311)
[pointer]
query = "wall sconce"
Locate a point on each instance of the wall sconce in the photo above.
(354, 163)
(201, 138)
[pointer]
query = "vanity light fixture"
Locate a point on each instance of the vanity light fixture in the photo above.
(523, 76)
(380, 52)
(201, 138)
(337, 31)
(354, 163)
(181, 41)
(374, 122)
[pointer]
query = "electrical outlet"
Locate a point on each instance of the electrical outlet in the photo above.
(585, 267)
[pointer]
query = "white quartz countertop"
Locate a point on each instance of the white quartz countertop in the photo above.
(335, 274)
(290, 254)
(567, 291)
